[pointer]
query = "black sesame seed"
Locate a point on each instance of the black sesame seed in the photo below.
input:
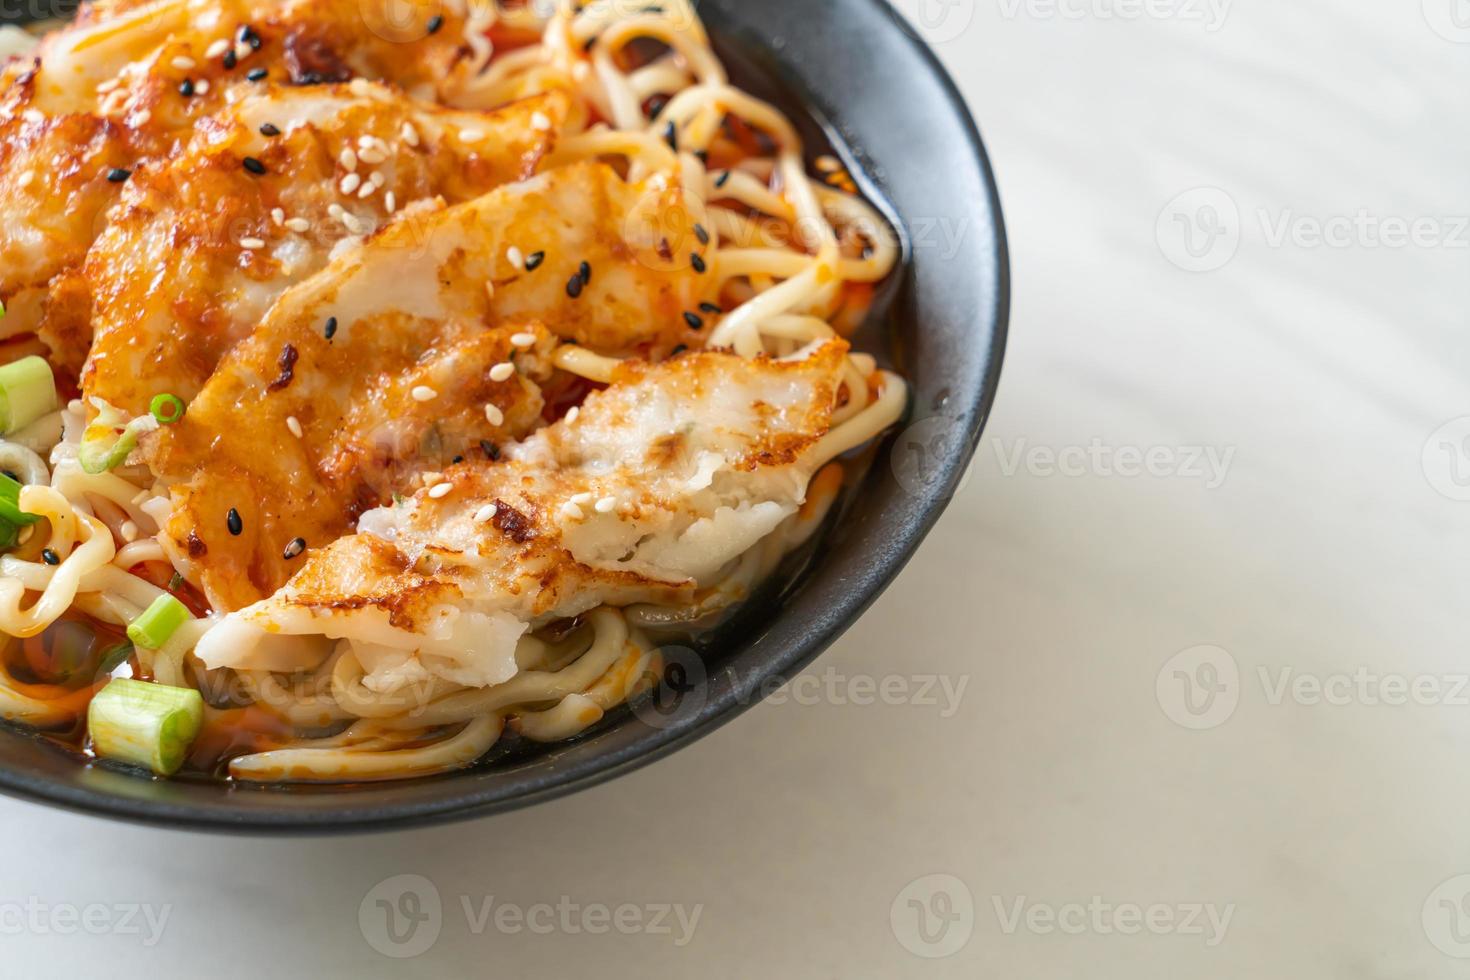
(256, 74)
(230, 59)
(702, 156)
(233, 522)
(671, 135)
(534, 260)
(491, 451)
(711, 308)
(435, 22)
(294, 549)
(457, 460)
(584, 272)
(697, 261)
(678, 350)
(269, 129)
(701, 234)
(722, 179)
(253, 165)
(574, 287)
(695, 321)
(186, 87)
(330, 330)
(247, 35)
(50, 557)
(117, 175)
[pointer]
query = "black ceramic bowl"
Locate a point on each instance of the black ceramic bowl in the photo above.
(874, 94)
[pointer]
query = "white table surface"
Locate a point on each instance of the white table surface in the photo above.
(1324, 832)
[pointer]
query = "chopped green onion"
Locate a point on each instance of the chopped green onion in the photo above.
(158, 622)
(145, 724)
(166, 408)
(27, 392)
(10, 503)
(107, 441)
(9, 535)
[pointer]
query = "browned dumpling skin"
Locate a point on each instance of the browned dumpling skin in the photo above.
(655, 485)
(122, 89)
(199, 248)
(430, 321)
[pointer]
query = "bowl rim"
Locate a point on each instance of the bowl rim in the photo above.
(972, 406)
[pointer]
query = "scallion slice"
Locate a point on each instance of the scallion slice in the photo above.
(27, 392)
(107, 441)
(145, 724)
(158, 622)
(10, 503)
(166, 408)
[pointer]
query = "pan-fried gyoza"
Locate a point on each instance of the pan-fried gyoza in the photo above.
(378, 384)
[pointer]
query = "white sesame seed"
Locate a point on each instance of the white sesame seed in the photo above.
(432, 477)
(334, 209)
(502, 371)
(371, 154)
(183, 63)
(539, 121)
(441, 491)
(494, 415)
(367, 190)
(489, 289)
(108, 85)
(141, 119)
(294, 425)
(390, 202)
(26, 178)
(358, 87)
(605, 505)
(471, 135)
(348, 159)
(423, 393)
(409, 134)
(514, 256)
(298, 224)
(486, 514)
(129, 531)
(377, 179)
(201, 87)
(522, 339)
(350, 183)
(217, 49)
(242, 51)
(572, 414)
(571, 510)
(353, 223)
(252, 243)
(581, 498)
(278, 216)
